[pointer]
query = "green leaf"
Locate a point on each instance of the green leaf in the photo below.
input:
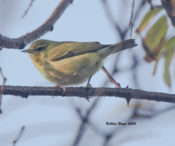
(158, 58)
(155, 67)
(167, 78)
(155, 38)
(168, 52)
(147, 18)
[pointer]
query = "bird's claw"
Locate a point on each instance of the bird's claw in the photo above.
(62, 87)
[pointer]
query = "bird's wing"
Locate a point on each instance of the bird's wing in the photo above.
(69, 49)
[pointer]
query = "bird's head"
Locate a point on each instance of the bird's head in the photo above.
(38, 47)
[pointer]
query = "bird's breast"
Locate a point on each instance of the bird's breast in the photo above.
(75, 69)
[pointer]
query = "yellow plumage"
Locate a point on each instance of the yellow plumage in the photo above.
(67, 63)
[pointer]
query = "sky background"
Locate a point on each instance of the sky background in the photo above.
(53, 121)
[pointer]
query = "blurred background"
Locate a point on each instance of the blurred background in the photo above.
(75, 121)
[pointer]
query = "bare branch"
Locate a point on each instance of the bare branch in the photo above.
(131, 23)
(19, 135)
(26, 11)
(112, 80)
(2, 87)
(169, 6)
(25, 91)
(85, 121)
(111, 18)
(22, 41)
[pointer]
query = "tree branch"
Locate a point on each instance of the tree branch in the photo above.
(25, 91)
(169, 6)
(21, 132)
(22, 41)
(27, 9)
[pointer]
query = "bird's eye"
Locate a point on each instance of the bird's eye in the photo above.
(40, 48)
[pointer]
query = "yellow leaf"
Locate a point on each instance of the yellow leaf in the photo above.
(155, 38)
(155, 67)
(158, 58)
(168, 52)
(147, 18)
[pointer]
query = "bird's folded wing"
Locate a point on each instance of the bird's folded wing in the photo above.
(70, 49)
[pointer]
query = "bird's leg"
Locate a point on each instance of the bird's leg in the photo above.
(112, 80)
(88, 86)
(88, 82)
(62, 87)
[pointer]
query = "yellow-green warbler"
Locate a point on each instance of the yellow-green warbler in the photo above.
(69, 63)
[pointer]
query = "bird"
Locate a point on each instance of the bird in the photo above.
(69, 63)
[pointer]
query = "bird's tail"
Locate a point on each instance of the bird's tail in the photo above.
(130, 43)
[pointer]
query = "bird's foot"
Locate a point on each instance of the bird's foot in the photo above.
(62, 87)
(88, 86)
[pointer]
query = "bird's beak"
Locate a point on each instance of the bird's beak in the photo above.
(28, 51)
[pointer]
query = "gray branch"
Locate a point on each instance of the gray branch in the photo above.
(22, 41)
(127, 93)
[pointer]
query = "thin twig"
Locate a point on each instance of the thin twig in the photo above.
(85, 121)
(19, 136)
(110, 17)
(134, 69)
(28, 8)
(169, 6)
(2, 87)
(112, 80)
(22, 41)
(131, 18)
